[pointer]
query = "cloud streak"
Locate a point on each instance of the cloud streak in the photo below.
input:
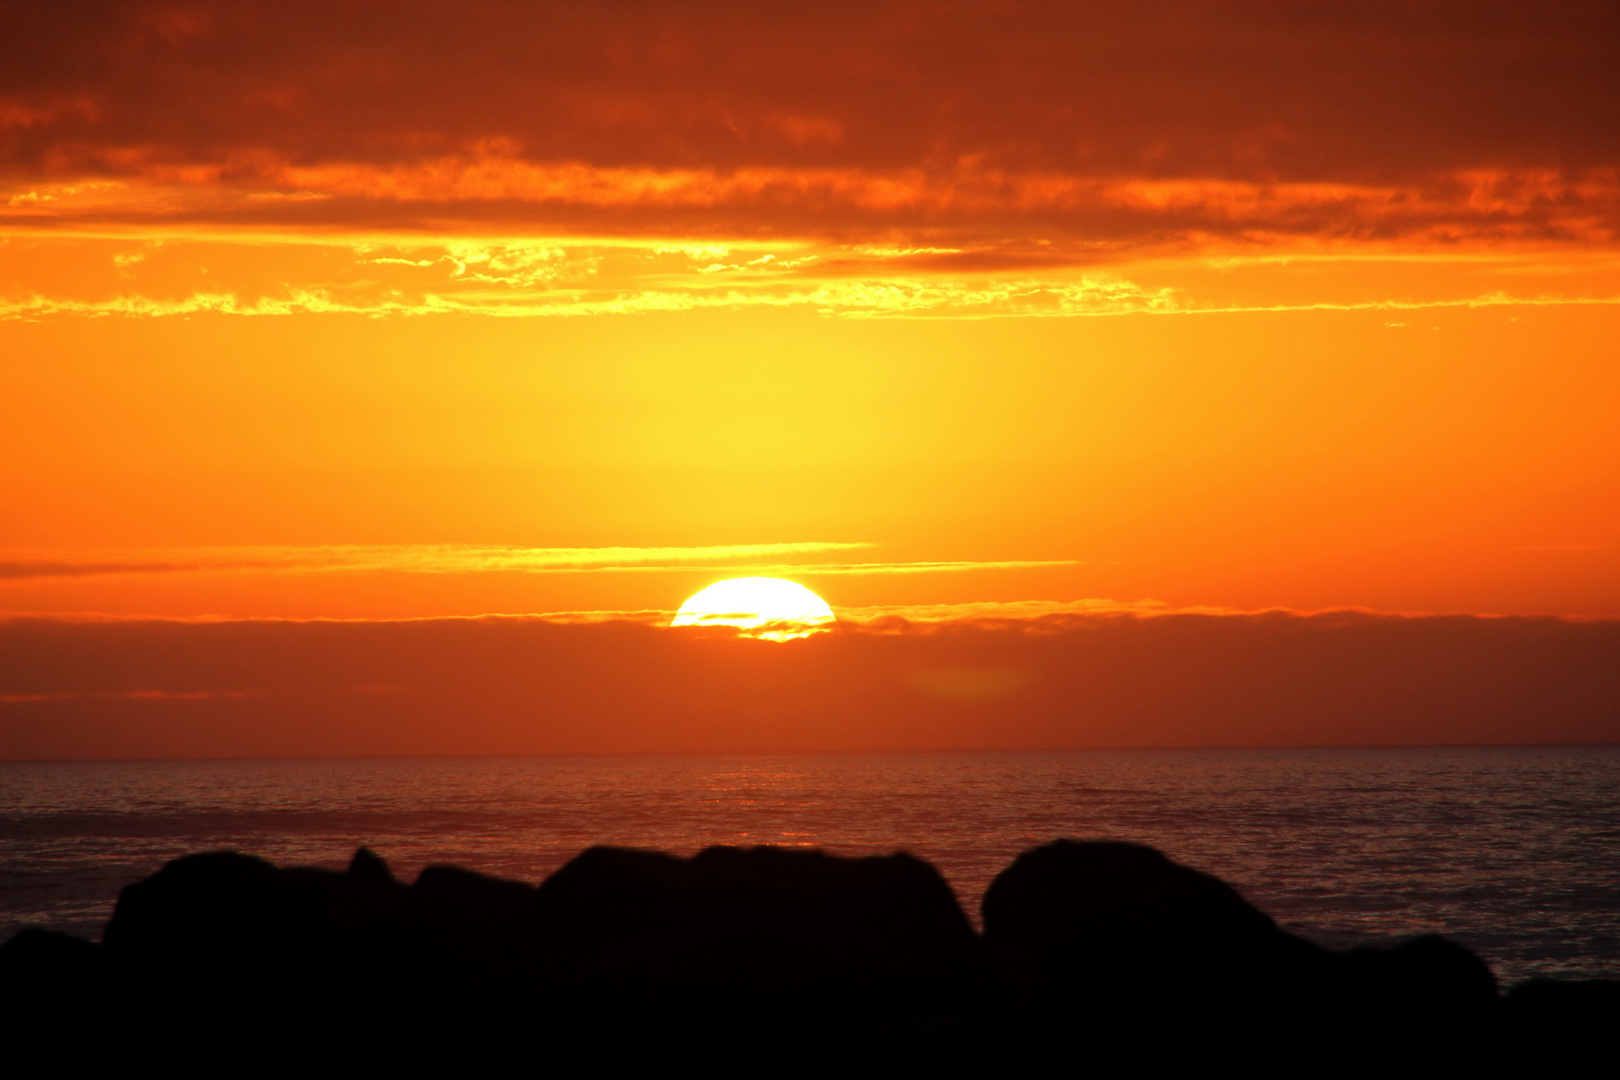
(868, 298)
(933, 211)
(1094, 298)
(473, 559)
(121, 695)
(401, 558)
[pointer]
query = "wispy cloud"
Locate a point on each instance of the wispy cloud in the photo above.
(494, 189)
(891, 617)
(24, 569)
(872, 298)
(121, 695)
(180, 275)
(947, 567)
(865, 299)
(472, 559)
(403, 558)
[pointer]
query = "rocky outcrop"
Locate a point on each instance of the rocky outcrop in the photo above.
(1094, 955)
(1124, 938)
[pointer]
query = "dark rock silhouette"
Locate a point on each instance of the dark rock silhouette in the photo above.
(1124, 937)
(1560, 1028)
(1107, 939)
(765, 920)
(43, 964)
(1101, 955)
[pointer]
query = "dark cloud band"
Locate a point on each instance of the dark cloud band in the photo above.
(219, 689)
(1095, 123)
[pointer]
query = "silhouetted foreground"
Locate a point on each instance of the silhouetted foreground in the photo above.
(766, 960)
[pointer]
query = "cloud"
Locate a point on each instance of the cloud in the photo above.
(179, 272)
(474, 559)
(77, 689)
(547, 279)
(404, 558)
(870, 299)
(865, 298)
(1026, 614)
(1127, 127)
(24, 570)
(945, 567)
(121, 695)
(964, 206)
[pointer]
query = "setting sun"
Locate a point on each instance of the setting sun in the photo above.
(786, 608)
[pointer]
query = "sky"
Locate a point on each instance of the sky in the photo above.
(974, 316)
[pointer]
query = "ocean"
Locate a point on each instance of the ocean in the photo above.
(1512, 851)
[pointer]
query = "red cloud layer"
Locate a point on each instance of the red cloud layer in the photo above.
(172, 689)
(1101, 122)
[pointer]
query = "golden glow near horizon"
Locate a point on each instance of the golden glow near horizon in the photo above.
(770, 608)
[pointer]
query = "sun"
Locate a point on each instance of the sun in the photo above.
(771, 608)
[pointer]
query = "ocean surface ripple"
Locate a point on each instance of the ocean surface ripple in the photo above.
(1513, 852)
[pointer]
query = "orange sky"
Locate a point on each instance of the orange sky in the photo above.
(377, 311)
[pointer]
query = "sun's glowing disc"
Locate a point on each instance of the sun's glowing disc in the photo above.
(765, 606)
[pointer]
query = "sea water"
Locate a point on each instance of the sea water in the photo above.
(1514, 852)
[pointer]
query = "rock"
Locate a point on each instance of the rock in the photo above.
(368, 871)
(1121, 923)
(1561, 1027)
(1116, 946)
(50, 985)
(42, 966)
(474, 921)
(291, 960)
(1426, 982)
(776, 944)
(1103, 955)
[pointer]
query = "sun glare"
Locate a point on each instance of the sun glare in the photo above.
(772, 608)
